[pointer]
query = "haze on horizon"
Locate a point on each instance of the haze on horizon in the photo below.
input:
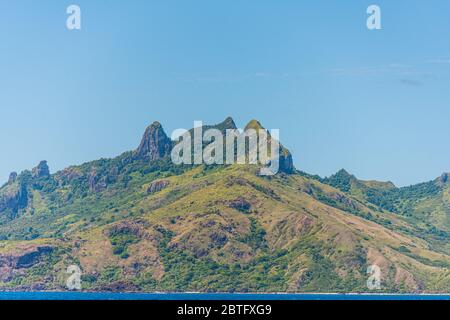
(373, 102)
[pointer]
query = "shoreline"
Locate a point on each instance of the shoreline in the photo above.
(224, 293)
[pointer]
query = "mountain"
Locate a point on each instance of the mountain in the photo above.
(425, 206)
(155, 144)
(137, 222)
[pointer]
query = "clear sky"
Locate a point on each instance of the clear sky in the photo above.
(376, 103)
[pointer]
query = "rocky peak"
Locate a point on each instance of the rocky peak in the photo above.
(12, 177)
(41, 171)
(286, 163)
(343, 173)
(254, 124)
(227, 124)
(13, 199)
(154, 144)
(444, 178)
(157, 186)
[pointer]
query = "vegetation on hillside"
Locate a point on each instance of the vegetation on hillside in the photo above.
(138, 224)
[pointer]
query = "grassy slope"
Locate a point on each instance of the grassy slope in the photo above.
(227, 229)
(425, 206)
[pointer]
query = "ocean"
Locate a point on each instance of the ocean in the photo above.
(208, 296)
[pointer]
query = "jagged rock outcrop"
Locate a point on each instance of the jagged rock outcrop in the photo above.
(240, 204)
(68, 175)
(157, 186)
(227, 124)
(254, 124)
(12, 177)
(25, 259)
(14, 198)
(96, 182)
(444, 178)
(286, 163)
(344, 200)
(155, 143)
(41, 171)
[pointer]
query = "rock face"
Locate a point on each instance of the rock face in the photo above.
(240, 204)
(228, 123)
(286, 164)
(12, 177)
(42, 170)
(25, 259)
(155, 144)
(344, 200)
(254, 124)
(68, 175)
(157, 186)
(96, 182)
(13, 199)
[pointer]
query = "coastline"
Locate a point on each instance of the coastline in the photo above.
(192, 296)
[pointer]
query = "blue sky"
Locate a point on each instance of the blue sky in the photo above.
(376, 103)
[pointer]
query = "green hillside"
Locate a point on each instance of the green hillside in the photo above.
(139, 223)
(425, 206)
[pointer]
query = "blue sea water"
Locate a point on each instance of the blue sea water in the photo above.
(207, 296)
